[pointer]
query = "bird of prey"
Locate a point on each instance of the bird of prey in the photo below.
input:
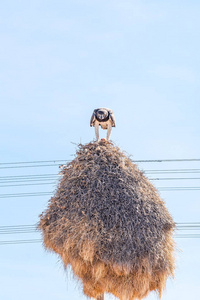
(103, 117)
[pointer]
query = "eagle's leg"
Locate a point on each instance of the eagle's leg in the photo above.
(96, 125)
(109, 130)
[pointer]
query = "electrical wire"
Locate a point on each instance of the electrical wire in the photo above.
(27, 178)
(44, 179)
(12, 242)
(27, 184)
(64, 160)
(47, 176)
(169, 171)
(175, 178)
(31, 166)
(28, 241)
(38, 194)
(34, 162)
(166, 160)
(33, 228)
(27, 229)
(30, 176)
(50, 163)
(25, 195)
(186, 236)
(37, 177)
(55, 183)
(179, 188)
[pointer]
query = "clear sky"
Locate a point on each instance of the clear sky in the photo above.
(60, 60)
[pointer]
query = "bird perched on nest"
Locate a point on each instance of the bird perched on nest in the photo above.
(103, 117)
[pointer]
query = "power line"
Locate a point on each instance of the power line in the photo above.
(2, 227)
(36, 194)
(31, 166)
(27, 184)
(179, 171)
(19, 231)
(55, 183)
(12, 242)
(44, 179)
(64, 160)
(188, 223)
(29, 225)
(166, 160)
(34, 162)
(50, 163)
(24, 229)
(33, 228)
(186, 236)
(179, 188)
(48, 176)
(30, 241)
(10, 177)
(26, 176)
(25, 195)
(175, 178)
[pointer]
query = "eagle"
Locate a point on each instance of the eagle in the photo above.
(105, 118)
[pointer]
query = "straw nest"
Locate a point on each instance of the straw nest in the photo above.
(108, 222)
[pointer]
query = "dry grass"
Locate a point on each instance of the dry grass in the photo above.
(108, 222)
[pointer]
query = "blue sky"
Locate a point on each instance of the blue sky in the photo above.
(60, 60)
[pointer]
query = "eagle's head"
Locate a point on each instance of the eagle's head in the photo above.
(102, 114)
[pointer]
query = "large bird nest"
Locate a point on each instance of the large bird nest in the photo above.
(108, 222)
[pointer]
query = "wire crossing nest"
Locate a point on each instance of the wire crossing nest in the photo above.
(108, 222)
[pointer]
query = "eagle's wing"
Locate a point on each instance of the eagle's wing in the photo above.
(112, 118)
(93, 118)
